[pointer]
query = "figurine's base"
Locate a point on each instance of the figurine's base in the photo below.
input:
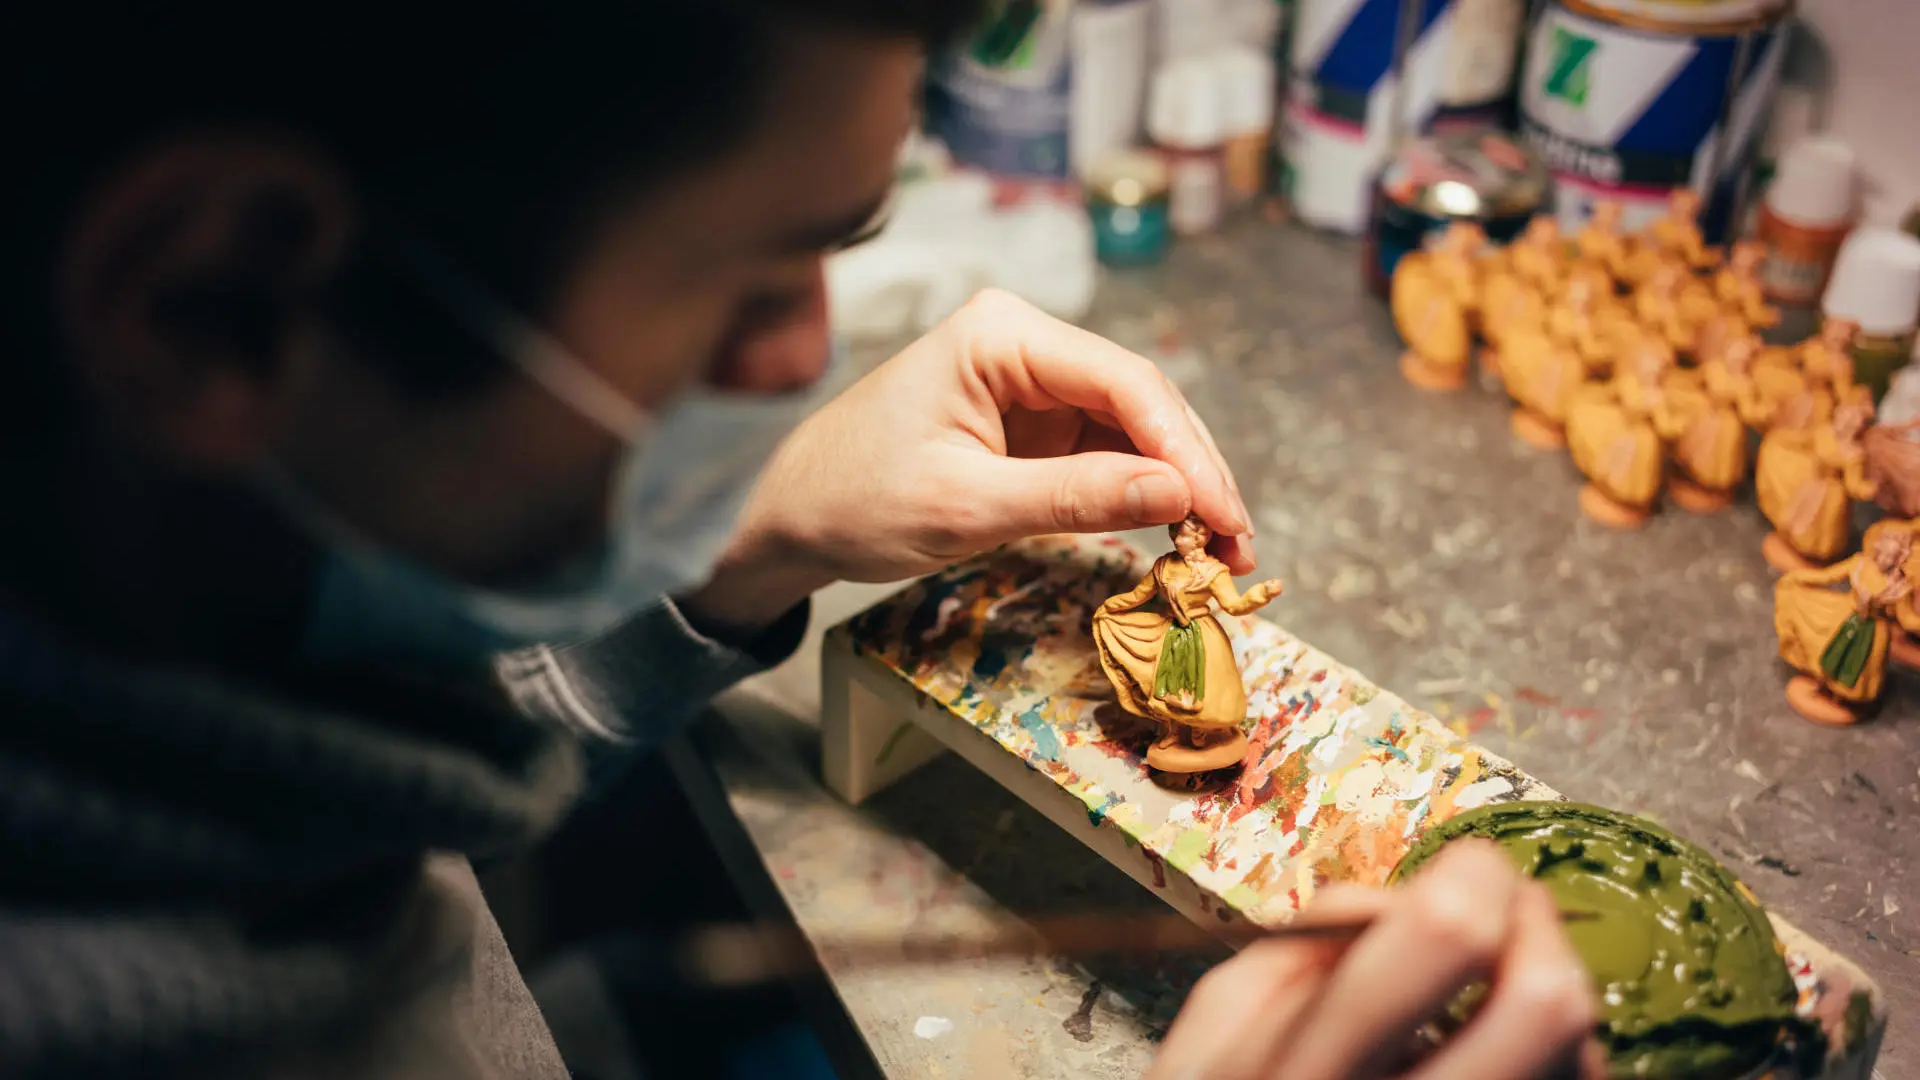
(1604, 509)
(1904, 650)
(1695, 499)
(1427, 375)
(1172, 754)
(1782, 556)
(1806, 696)
(1537, 431)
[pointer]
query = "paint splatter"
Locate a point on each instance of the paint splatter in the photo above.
(1046, 741)
(932, 1027)
(1080, 1024)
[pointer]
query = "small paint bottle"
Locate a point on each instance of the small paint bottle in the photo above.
(1806, 215)
(1247, 76)
(1127, 200)
(1876, 283)
(1185, 121)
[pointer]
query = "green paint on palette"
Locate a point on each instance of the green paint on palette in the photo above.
(1187, 850)
(1242, 897)
(1691, 980)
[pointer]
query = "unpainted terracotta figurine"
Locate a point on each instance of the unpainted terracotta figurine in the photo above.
(1737, 285)
(1172, 663)
(1542, 374)
(1805, 480)
(1670, 305)
(1600, 242)
(1678, 231)
(1838, 640)
(1615, 431)
(1823, 368)
(1433, 298)
(1710, 453)
(1541, 255)
(1590, 322)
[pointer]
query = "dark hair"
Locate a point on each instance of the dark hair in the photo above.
(492, 130)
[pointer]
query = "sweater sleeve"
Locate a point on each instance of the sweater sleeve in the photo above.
(643, 680)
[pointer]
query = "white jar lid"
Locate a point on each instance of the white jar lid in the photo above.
(1184, 105)
(1247, 89)
(1876, 282)
(1814, 184)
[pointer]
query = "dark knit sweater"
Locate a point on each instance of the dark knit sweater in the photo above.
(202, 875)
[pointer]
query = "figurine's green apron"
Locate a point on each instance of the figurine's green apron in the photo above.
(1183, 663)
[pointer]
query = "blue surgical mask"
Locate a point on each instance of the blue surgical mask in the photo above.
(677, 496)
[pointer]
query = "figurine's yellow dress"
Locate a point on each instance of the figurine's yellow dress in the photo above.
(1612, 434)
(1812, 619)
(1742, 296)
(1133, 641)
(1428, 310)
(1805, 481)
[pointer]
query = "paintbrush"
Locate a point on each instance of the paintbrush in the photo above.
(740, 955)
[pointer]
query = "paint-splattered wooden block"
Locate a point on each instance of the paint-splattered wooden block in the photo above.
(992, 659)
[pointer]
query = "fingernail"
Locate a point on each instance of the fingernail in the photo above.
(1156, 499)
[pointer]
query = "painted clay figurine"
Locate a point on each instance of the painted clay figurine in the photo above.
(1433, 300)
(1805, 480)
(1590, 322)
(1825, 364)
(1737, 285)
(1837, 640)
(1775, 379)
(1710, 453)
(1175, 666)
(1600, 242)
(1893, 466)
(1615, 430)
(1669, 304)
(1678, 231)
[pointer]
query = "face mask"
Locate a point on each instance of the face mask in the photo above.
(677, 496)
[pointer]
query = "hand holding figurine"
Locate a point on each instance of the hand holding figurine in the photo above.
(1000, 423)
(1346, 1009)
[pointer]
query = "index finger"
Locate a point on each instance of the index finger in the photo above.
(1023, 356)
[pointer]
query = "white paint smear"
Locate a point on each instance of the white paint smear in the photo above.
(932, 1027)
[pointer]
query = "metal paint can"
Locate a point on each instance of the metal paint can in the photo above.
(1002, 101)
(1483, 176)
(1628, 99)
(1128, 202)
(1363, 72)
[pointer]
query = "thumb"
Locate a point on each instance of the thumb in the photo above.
(1092, 492)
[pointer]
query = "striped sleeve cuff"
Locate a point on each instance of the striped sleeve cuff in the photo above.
(643, 680)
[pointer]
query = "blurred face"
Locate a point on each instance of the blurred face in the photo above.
(715, 279)
(1190, 537)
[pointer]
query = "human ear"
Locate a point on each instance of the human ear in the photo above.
(186, 289)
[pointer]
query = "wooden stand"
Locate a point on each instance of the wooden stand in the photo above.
(992, 660)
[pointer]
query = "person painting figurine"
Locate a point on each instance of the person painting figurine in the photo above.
(1434, 297)
(1805, 480)
(1172, 662)
(422, 417)
(1837, 639)
(1615, 431)
(1737, 285)
(1710, 452)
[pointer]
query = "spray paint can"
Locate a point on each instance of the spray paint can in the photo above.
(1807, 213)
(1366, 72)
(1628, 99)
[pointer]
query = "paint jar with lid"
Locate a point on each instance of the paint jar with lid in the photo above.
(1876, 283)
(1807, 213)
(1480, 175)
(1127, 200)
(1188, 125)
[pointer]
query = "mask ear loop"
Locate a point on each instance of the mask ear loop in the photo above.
(538, 354)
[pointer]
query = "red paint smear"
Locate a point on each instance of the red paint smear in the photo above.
(1535, 697)
(1159, 869)
(1480, 718)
